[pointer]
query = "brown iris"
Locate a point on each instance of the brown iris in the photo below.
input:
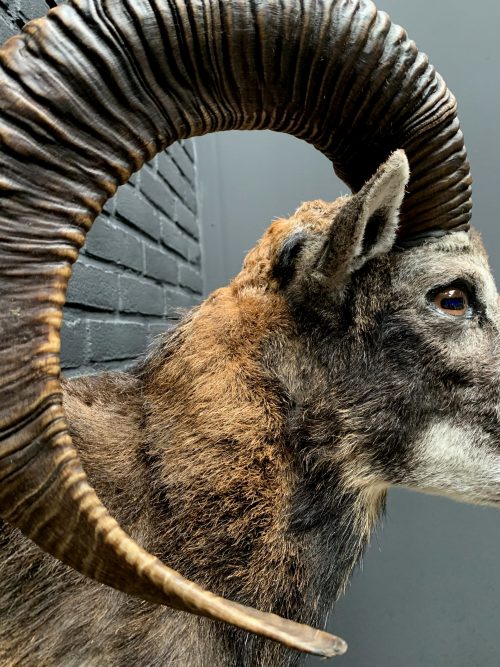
(453, 301)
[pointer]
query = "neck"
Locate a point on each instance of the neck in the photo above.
(245, 510)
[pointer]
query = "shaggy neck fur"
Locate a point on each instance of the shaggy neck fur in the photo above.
(249, 505)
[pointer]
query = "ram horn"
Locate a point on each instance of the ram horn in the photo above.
(91, 92)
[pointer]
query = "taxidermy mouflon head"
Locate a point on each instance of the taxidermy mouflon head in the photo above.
(389, 351)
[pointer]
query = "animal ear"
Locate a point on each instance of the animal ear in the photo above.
(366, 225)
(285, 264)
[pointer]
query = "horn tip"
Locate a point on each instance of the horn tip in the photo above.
(328, 646)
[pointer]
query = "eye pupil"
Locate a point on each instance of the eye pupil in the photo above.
(453, 304)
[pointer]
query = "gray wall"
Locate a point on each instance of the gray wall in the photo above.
(429, 591)
(15, 13)
(141, 262)
(140, 266)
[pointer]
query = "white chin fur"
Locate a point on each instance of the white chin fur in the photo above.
(457, 462)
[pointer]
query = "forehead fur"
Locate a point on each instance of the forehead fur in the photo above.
(459, 252)
(462, 243)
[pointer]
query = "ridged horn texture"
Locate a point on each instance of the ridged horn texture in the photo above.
(90, 93)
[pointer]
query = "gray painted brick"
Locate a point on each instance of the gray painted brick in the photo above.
(33, 8)
(158, 328)
(160, 265)
(116, 340)
(139, 295)
(93, 286)
(110, 206)
(177, 301)
(155, 190)
(174, 239)
(187, 220)
(191, 200)
(110, 241)
(194, 252)
(188, 146)
(179, 184)
(166, 168)
(171, 173)
(74, 339)
(174, 150)
(153, 164)
(138, 211)
(183, 162)
(6, 30)
(190, 278)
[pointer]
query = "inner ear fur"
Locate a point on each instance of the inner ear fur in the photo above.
(366, 225)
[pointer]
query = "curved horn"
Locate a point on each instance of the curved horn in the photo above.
(97, 88)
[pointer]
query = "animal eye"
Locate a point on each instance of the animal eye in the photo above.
(453, 301)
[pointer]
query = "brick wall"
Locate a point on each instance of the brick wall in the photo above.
(141, 262)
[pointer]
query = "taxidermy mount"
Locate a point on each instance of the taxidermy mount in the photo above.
(250, 452)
